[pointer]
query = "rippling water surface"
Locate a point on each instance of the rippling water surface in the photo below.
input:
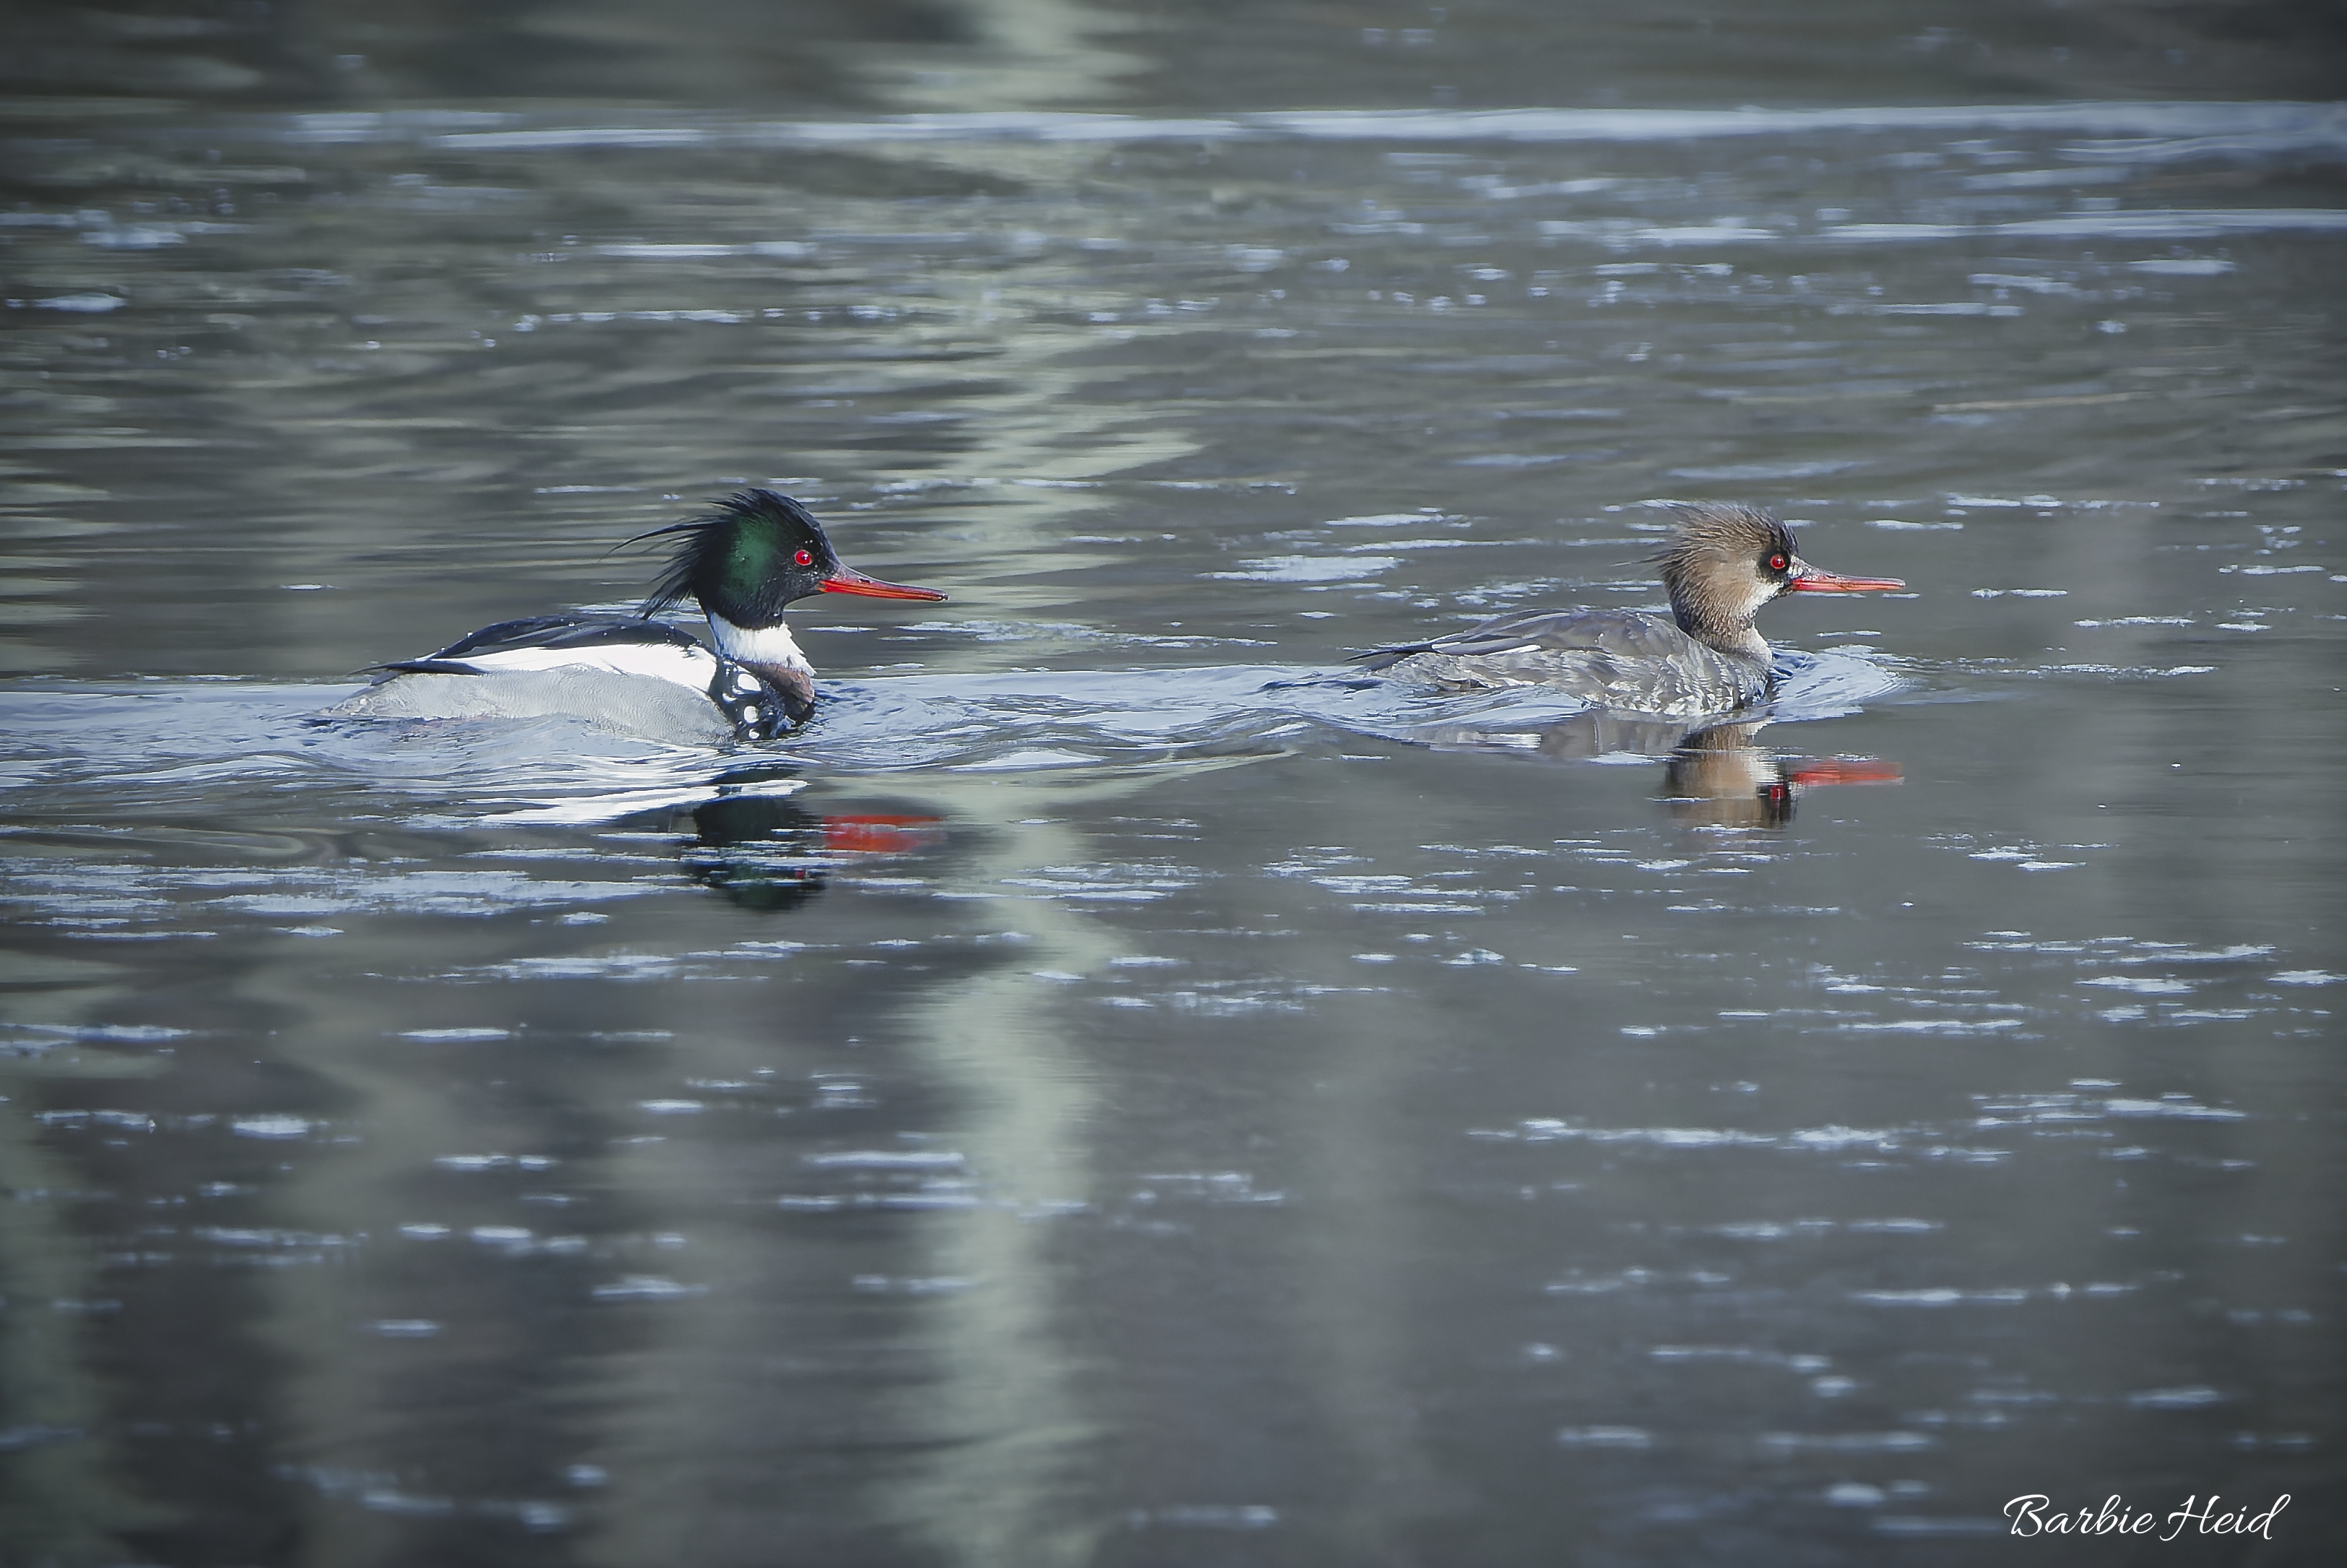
(1120, 1088)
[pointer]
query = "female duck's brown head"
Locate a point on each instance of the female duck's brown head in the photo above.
(1726, 561)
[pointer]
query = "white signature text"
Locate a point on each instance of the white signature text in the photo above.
(2033, 1516)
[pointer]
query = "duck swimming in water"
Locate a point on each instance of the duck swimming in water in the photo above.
(1723, 564)
(755, 553)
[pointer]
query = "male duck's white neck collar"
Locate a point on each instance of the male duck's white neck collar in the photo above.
(757, 645)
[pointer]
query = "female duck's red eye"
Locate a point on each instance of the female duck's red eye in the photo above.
(805, 556)
(1777, 562)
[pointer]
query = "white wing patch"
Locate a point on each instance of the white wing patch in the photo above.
(1451, 644)
(693, 667)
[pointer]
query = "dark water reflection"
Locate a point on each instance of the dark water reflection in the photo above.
(1119, 1089)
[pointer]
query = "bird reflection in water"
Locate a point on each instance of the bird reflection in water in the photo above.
(1718, 778)
(1714, 775)
(753, 843)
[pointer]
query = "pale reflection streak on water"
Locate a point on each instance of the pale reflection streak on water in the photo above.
(1293, 1128)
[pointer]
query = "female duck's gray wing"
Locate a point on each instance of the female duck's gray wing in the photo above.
(1622, 633)
(1608, 658)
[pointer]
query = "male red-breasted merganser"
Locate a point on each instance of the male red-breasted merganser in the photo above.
(1723, 564)
(743, 561)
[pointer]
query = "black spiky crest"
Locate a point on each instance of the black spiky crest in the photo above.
(739, 559)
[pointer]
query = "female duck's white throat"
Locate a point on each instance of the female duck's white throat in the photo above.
(758, 645)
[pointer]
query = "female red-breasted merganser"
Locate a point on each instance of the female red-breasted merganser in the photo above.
(1724, 563)
(743, 561)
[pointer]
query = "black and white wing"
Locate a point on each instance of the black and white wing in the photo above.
(634, 676)
(545, 641)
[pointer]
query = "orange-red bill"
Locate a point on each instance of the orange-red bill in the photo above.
(847, 579)
(882, 835)
(1816, 771)
(1812, 581)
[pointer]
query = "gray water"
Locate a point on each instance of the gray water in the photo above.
(1117, 1088)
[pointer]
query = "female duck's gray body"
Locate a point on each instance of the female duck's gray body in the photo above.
(1720, 568)
(755, 553)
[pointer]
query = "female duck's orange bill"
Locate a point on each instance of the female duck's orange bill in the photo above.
(1812, 581)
